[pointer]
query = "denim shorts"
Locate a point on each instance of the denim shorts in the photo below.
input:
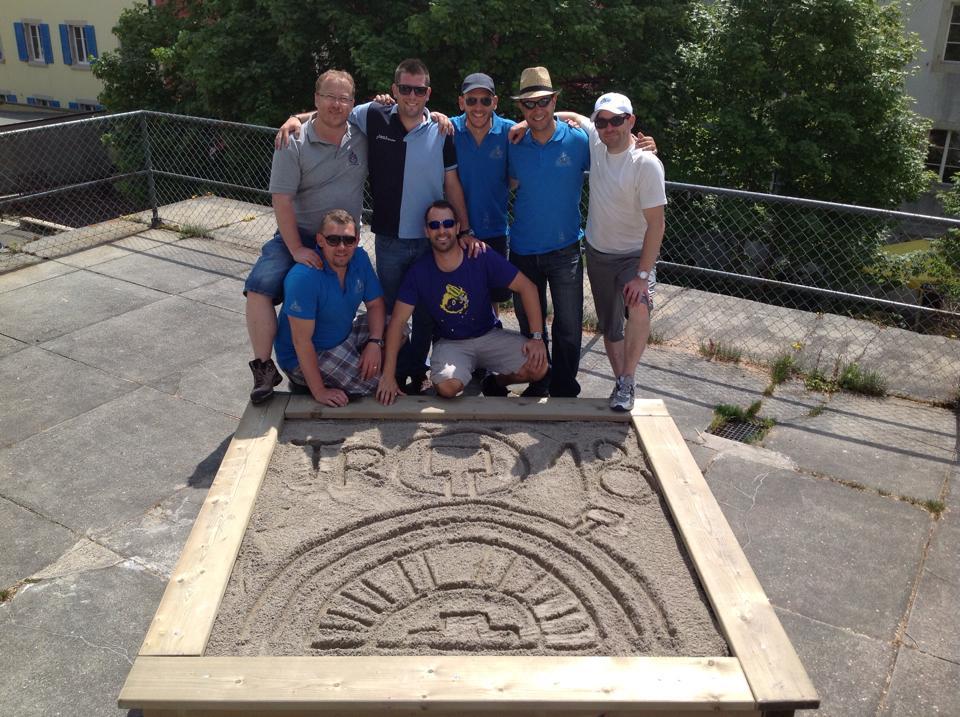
(267, 275)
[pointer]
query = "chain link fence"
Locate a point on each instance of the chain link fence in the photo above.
(742, 276)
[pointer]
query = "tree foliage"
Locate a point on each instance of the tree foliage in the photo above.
(804, 97)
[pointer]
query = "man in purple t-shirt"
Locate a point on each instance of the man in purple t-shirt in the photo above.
(455, 289)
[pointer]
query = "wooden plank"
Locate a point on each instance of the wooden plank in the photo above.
(475, 408)
(190, 602)
(387, 709)
(747, 619)
(456, 684)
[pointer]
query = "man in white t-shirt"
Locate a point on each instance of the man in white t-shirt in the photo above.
(625, 224)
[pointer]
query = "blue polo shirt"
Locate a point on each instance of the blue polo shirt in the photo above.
(406, 168)
(316, 294)
(483, 174)
(546, 210)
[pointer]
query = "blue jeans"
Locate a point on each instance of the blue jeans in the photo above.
(562, 271)
(267, 275)
(394, 257)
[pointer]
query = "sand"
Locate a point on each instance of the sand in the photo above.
(393, 538)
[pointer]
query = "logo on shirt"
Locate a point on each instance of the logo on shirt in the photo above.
(564, 160)
(295, 306)
(497, 153)
(353, 159)
(455, 300)
(385, 138)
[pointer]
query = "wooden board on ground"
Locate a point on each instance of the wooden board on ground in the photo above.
(172, 676)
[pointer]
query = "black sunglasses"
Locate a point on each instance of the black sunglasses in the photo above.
(601, 123)
(446, 224)
(338, 239)
(542, 102)
(485, 101)
(419, 91)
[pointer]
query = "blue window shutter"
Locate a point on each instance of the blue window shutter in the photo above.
(21, 41)
(55, 103)
(90, 35)
(31, 100)
(73, 105)
(12, 98)
(65, 45)
(47, 45)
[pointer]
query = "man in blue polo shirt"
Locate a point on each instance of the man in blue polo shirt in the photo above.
(548, 165)
(320, 346)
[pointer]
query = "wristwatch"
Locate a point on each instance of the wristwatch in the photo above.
(643, 275)
(466, 232)
(536, 335)
(378, 342)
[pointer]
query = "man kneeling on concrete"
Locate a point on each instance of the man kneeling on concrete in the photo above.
(320, 346)
(455, 290)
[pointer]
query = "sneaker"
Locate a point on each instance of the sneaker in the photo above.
(265, 377)
(490, 387)
(622, 397)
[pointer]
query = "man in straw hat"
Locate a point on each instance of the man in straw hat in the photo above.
(547, 165)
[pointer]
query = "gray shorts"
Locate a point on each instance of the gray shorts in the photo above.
(608, 274)
(497, 350)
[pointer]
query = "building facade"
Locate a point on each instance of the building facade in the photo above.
(47, 48)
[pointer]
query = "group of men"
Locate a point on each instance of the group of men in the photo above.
(439, 201)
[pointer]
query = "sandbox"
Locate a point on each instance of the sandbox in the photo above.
(457, 557)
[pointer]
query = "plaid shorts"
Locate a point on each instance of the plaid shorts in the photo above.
(340, 366)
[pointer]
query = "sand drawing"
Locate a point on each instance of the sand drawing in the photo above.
(420, 538)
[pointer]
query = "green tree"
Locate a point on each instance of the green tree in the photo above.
(804, 97)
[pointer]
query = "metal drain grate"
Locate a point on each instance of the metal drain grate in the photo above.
(736, 430)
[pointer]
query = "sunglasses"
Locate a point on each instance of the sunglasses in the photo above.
(338, 239)
(601, 123)
(446, 224)
(485, 101)
(542, 102)
(417, 90)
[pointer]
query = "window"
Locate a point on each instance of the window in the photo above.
(33, 42)
(43, 102)
(951, 49)
(943, 157)
(79, 43)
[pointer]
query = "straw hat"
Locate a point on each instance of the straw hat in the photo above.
(535, 82)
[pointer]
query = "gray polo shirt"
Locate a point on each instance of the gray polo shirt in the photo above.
(320, 175)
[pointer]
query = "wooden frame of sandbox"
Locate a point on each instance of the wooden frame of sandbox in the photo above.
(171, 676)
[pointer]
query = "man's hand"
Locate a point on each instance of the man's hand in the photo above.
(517, 131)
(473, 246)
(536, 352)
(308, 257)
(291, 126)
(445, 125)
(647, 144)
(331, 397)
(634, 291)
(385, 100)
(370, 361)
(388, 390)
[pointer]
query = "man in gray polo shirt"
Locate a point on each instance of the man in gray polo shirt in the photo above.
(322, 169)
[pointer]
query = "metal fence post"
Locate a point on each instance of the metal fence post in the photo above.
(151, 181)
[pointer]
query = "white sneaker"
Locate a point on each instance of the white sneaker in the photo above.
(622, 397)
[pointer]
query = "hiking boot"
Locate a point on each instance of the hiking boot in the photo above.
(622, 397)
(490, 387)
(265, 377)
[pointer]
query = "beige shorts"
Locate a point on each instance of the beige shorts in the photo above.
(497, 350)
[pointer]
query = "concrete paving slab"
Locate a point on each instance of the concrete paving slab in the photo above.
(848, 558)
(133, 245)
(210, 249)
(924, 367)
(75, 240)
(207, 212)
(162, 236)
(923, 685)
(894, 445)
(834, 341)
(935, 619)
(72, 641)
(57, 306)
(251, 235)
(30, 542)
(12, 261)
(225, 293)
(172, 268)
(221, 382)
(42, 389)
(156, 538)
(32, 274)
(115, 462)
(9, 345)
(156, 342)
(791, 401)
(848, 670)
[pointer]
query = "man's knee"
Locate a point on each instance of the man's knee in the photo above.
(449, 388)
(527, 373)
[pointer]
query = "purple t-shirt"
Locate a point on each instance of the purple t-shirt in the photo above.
(458, 300)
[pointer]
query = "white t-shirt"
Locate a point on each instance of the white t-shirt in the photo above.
(621, 186)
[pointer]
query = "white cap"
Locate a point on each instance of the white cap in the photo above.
(612, 102)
